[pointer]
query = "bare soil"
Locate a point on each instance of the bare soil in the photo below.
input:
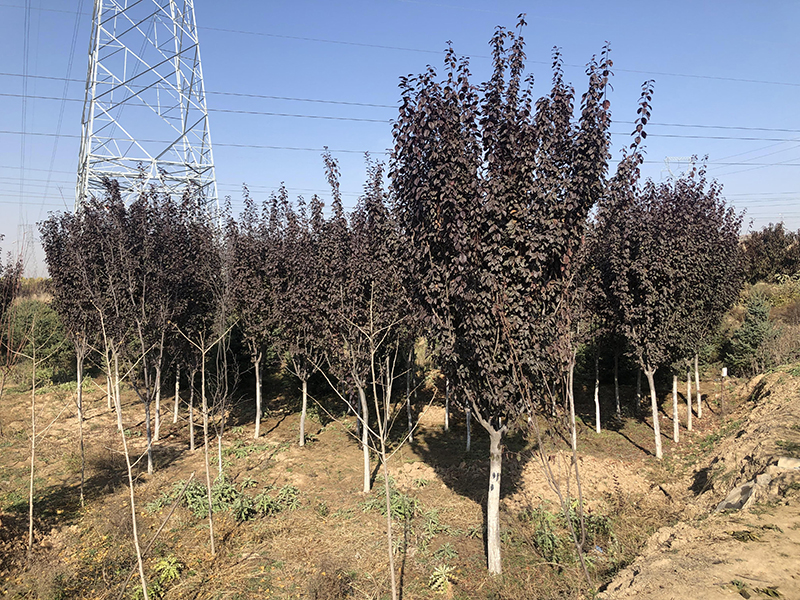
(651, 530)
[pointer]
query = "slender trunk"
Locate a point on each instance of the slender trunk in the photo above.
(220, 474)
(149, 433)
(597, 391)
(616, 383)
(177, 394)
(80, 354)
(157, 427)
(688, 399)
(571, 400)
(257, 366)
(205, 453)
(469, 428)
(649, 372)
(408, 401)
(675, 424)
(493, 502)
(133, 518)
(109, 401)
(638, 404)
(447, 405)
(192, 374)
(697, 386)
(117, 397)
(33, 447)
(362, 397)
(303, 411)
(387, 493)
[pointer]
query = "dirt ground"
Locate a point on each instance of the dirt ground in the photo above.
(653, 532)
(753, 551)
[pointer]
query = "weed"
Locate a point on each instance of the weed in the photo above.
(441, 579)
(322, 509)
(402, 507)
(445, 552)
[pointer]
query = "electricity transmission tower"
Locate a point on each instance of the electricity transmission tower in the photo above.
(145, 119)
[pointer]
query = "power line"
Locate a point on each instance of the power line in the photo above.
(386, 121)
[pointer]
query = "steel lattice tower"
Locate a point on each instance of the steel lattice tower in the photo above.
(145, 119)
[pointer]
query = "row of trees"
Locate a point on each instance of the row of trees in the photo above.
(484, 242)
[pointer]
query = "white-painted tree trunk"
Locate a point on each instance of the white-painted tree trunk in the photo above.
(596, 392)
(493, 503)
(303, 413)
(80, 354)
(675, 424)
(177, 394)
(257, 368)
(362, 397)
(688, 399)
(697, 386)
(447, 405)
(649, 372)
(109, 393)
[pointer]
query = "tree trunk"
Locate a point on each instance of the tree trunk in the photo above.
(616, 383)
(493, 502)
(80, 355)
(408, 398)
(149, 433)
(571, 400)
(205, 453)
(638, 404)
(675, 424)
(117, 397)
(697, 386)
(192, 374)
(688, 399)
(597, 391)
(257, 366)
(33, 446)
(157, 427)
(109, 401)
(387, 493)
(362, 397)
(177, 394)
(303, 412)
(133, 517)
(447, 405)
(649, 372)
(469, 428)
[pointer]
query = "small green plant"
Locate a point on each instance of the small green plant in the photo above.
(445, 552)
(248, 482)
(421, 482)
(402, 507)
(322, 509)
(441, 579)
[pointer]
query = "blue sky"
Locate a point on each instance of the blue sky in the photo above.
(723, 71)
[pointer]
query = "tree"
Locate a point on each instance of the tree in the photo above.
(301, 317)
(493, 195)
(255, 272)
(668, 261)
(770, 252)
